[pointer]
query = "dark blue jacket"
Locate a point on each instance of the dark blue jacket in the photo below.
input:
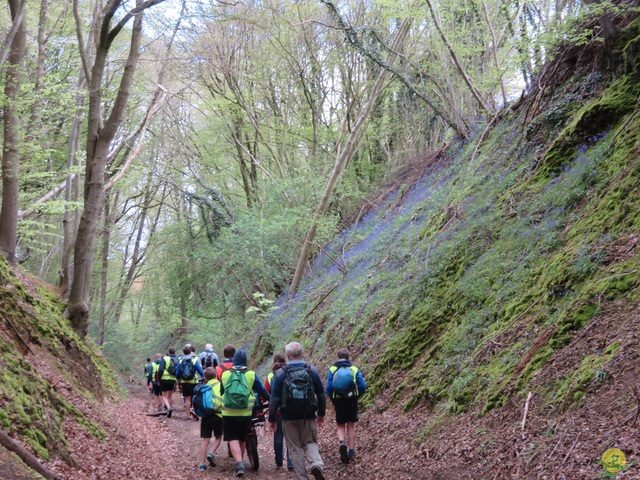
(361, 385)
(199, 369)
(276, 392)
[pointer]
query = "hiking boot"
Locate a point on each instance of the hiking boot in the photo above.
(202, 467)
(211, 460)
(317, 473)
(239, 471)
(344, 458)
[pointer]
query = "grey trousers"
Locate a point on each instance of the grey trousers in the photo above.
(302, 439)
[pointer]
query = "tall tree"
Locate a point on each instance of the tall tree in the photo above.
(100, 136)
(346, 153)
(11, 125)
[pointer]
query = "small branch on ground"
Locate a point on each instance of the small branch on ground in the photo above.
(526, 410)
(27, 457)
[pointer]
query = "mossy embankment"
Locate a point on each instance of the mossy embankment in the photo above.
(49, 377)
(462, 285)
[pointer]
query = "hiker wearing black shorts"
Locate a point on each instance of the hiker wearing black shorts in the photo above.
(236, 420)
(211, 426)
(187, 373)
(153, 380)
(167, 379)
(345, 384)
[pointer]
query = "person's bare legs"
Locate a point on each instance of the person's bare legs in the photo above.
(204, 446)
(351, 435)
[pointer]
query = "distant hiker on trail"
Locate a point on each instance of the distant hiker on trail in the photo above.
(298, 392)
(208, 358)
(278, 439)
(187, 374)
(238, 386)
(345, 384)
(210, 409)
(167, 378)
(152, 379)
(228, 352)
(147, 370)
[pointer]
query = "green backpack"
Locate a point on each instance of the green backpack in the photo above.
(236, 390)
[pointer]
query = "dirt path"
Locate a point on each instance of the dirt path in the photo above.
(142, 447)
(187, 432)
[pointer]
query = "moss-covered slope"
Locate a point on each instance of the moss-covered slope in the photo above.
(463, 284)
(48, 376)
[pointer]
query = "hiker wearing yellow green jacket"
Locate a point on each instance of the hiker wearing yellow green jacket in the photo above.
(187, 373)
(345, 384)
(238, 386)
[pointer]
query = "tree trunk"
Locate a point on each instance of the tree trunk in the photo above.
(11, 124)
(106, 238)
(68, 223)
(345, 155)
(99, 140)
(136, 257)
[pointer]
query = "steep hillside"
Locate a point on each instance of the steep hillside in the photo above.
(508, 266)
(62, 413)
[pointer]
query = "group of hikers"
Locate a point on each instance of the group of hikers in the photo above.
(224, 396)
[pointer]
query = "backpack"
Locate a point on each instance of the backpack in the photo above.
(209, 360)
(172, 365)
(344, 381)
(236, 390)
(298, 393)
(204, 402)
(187, 368)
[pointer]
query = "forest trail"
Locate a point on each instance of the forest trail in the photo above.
(182, 436)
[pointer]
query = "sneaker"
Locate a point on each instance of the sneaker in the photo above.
(202, 467)
(351, 454)
(278, 466)
(211, 459)
(344, 458)
(169, 412)
(317, 473)
(239, 471)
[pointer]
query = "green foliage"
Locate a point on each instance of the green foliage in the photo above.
(455, 279)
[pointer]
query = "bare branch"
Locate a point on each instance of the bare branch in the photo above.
(81, 46)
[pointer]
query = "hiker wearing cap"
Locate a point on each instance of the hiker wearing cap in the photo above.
(239, 388)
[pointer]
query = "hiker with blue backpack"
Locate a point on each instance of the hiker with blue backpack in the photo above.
(207, 403)
(297, 392)
(239, 388)
(345, 384)
(187, 373)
